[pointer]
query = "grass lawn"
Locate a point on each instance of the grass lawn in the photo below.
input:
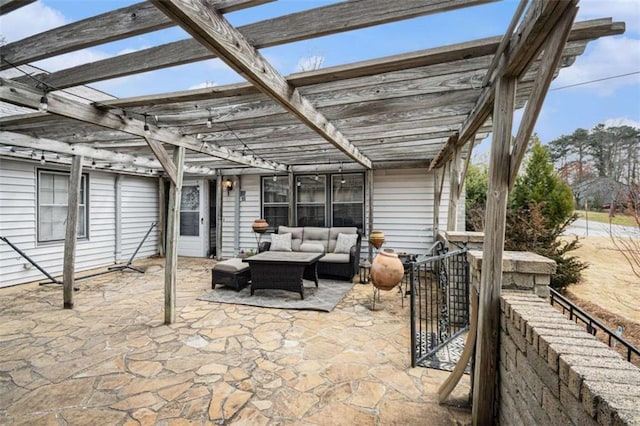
(618, 219)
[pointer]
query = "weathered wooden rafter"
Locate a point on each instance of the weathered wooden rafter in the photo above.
(437, 86)
(586, 30)
(115, 25)
(550, 61)
(7, 6)
(19, 94)
(546, 25)
(424, 63)
(212, 30)
(44, 144)
(331, 19)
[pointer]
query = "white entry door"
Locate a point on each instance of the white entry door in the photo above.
(193, 219)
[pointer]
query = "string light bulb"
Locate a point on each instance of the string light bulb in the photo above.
(42, 159)
(209, 120)
(44, 103)
(275, 178)
(93, 164)
(342, 180)
(147, 131)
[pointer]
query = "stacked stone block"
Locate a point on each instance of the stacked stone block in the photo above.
(552, 372)
(522, 271)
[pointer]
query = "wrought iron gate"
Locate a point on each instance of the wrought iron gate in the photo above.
(439, 288)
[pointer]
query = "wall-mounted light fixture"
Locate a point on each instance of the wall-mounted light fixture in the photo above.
(228, 185)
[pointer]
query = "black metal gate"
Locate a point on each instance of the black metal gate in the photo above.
(439, 303)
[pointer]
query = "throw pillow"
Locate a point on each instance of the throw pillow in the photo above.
(280, 242)
(312, 248)
(345, 242)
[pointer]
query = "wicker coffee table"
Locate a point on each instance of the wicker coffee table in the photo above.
(283, 270)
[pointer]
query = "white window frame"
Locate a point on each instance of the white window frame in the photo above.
(361, 201)
(324, 200)
(83, 206)
(266, 204)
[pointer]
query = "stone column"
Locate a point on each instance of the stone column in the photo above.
(457, 239)
(521, 271)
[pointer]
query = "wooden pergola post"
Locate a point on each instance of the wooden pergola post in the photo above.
(438, 183)
(219, 217)
(486, 363)
(454, 190)
(173, 228)
(162, 204)
(71, 234)
(369, 201)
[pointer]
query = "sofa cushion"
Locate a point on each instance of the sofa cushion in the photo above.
(345, 242)
(312, 247)
(280, 242)
(296, 235)
(335, 258)
(334, 232)
(316, 235)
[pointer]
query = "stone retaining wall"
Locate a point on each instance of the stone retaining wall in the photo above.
(552, 372)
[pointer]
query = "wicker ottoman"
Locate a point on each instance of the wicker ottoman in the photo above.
(231, 273)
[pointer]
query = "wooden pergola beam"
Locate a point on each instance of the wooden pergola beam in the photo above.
(212, 30)
(486, 368)
(7, 6)
(51, 145)
(550, 60)
(580, 31)
(19, 94)
(71, 232)
(115, 25)
(321, 21)
(547, 24)
(173, 232)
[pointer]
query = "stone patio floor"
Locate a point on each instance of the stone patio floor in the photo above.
(112, 361)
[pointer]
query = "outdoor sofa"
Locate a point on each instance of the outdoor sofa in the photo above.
(340, 245)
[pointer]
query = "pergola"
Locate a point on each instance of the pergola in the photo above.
(424, 108)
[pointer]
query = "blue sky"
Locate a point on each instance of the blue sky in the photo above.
(613, 101)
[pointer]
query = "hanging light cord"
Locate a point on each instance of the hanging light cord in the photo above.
(49, 88)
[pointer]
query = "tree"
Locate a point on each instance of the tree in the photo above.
(540, 209)
(571, 151)
(541, 186)
(476, 184)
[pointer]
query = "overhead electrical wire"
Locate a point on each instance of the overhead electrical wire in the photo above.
(596, 80)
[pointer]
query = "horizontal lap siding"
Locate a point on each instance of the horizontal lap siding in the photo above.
(139, 211)
(403, 208)
(249, 211)
(228, 222)
(98, 249)
(18, 185)
(17, 221)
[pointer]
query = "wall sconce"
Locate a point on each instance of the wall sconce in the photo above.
(228, 185)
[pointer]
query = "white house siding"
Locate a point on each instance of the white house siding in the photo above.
(18, 183)
(17, 220)
(139, 210)
(403, 208)
(249, 187)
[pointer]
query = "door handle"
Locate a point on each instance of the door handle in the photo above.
(202, 220)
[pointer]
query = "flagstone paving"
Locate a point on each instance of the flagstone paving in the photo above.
(112, 361)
